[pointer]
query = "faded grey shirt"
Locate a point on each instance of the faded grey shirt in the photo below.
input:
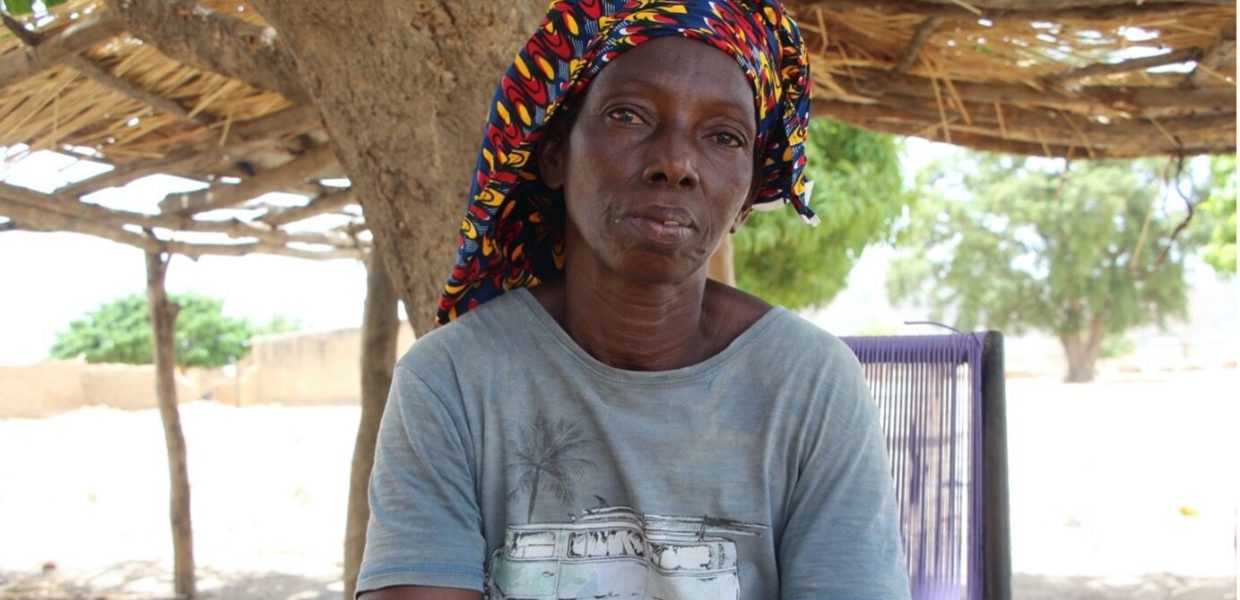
(511, 461)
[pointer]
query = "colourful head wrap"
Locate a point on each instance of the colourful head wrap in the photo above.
(513, 231)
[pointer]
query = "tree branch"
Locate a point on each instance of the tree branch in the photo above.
(204, 38)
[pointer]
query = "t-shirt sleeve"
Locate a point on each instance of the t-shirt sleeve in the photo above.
(842, 537)
(425, 525)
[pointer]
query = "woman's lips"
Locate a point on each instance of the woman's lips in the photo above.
(660, 229)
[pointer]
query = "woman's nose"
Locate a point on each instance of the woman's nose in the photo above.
(670, 160)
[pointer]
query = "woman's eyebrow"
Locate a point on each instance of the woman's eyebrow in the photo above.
(715, 103)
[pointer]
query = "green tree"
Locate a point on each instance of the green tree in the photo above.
(1219, 216)
(858, 195)
(1013, 243)
(119, 332)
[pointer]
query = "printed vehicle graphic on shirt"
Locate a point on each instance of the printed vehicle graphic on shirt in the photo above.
(616, 552)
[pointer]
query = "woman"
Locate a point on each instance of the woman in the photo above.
(599, 419)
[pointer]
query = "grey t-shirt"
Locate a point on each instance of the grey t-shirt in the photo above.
(509, 460)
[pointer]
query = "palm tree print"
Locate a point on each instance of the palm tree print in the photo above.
(547, 457)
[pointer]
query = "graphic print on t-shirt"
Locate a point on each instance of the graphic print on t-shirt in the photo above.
(616, 552)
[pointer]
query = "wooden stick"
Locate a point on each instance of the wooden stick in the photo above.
(1132, 64)
(50, 220)
(1222, 51)
(326, 203)
(924, 31)
(94, 72)
(100, 26)
(877, 83)
(1089, 148)
(222, 195)
(70, 209)
(1001, 10)
(206, 150)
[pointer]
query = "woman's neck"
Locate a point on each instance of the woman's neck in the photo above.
(648, 327)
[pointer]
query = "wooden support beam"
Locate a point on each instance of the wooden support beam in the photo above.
(1221, 52)
(1032, 133)
(924, 31)
(222, 195)
(41, 218)
(198, 250)
(207, 150)
(87, 32)
(97, 74)
(1133, 64)
(47, 220)
(59, 210)
(330, 202)
(1036, 11)
(878, 84)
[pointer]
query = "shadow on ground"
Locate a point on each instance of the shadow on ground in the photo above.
(1163, 586)
(149, 580)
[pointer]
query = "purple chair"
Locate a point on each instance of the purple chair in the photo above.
(941, 400)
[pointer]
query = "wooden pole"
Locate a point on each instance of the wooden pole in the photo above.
(163, 314)
(380, 326)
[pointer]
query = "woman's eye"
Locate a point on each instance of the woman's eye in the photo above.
(728, 139)
(625, 115)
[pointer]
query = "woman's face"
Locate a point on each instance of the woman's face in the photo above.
(659, 163)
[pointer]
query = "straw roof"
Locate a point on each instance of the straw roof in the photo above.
(75, 82)
(1101, 78)
(1078, 78)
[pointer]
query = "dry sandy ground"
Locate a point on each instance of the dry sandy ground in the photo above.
(1120, 489)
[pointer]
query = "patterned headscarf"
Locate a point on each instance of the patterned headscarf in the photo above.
(513, 231)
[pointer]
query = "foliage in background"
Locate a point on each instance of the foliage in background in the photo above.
(1013, 243)
(858, 195)
(1218, 216)
(119, 332)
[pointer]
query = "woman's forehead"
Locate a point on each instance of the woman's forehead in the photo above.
(682, 67)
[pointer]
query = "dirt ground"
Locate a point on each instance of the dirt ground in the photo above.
(1120, 489)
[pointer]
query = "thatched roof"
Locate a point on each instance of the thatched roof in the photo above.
(74, 81)
(1080, 78)
(1084, 78)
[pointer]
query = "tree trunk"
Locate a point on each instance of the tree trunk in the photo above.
(163, 314)
(380, 326)
(1081, 348)
(720, 266)
(403, 87)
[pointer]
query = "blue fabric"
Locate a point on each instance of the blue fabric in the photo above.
(509, 453)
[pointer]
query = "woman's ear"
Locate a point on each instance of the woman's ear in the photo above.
(551, 150)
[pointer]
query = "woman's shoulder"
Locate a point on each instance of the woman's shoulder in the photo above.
(470, 337)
